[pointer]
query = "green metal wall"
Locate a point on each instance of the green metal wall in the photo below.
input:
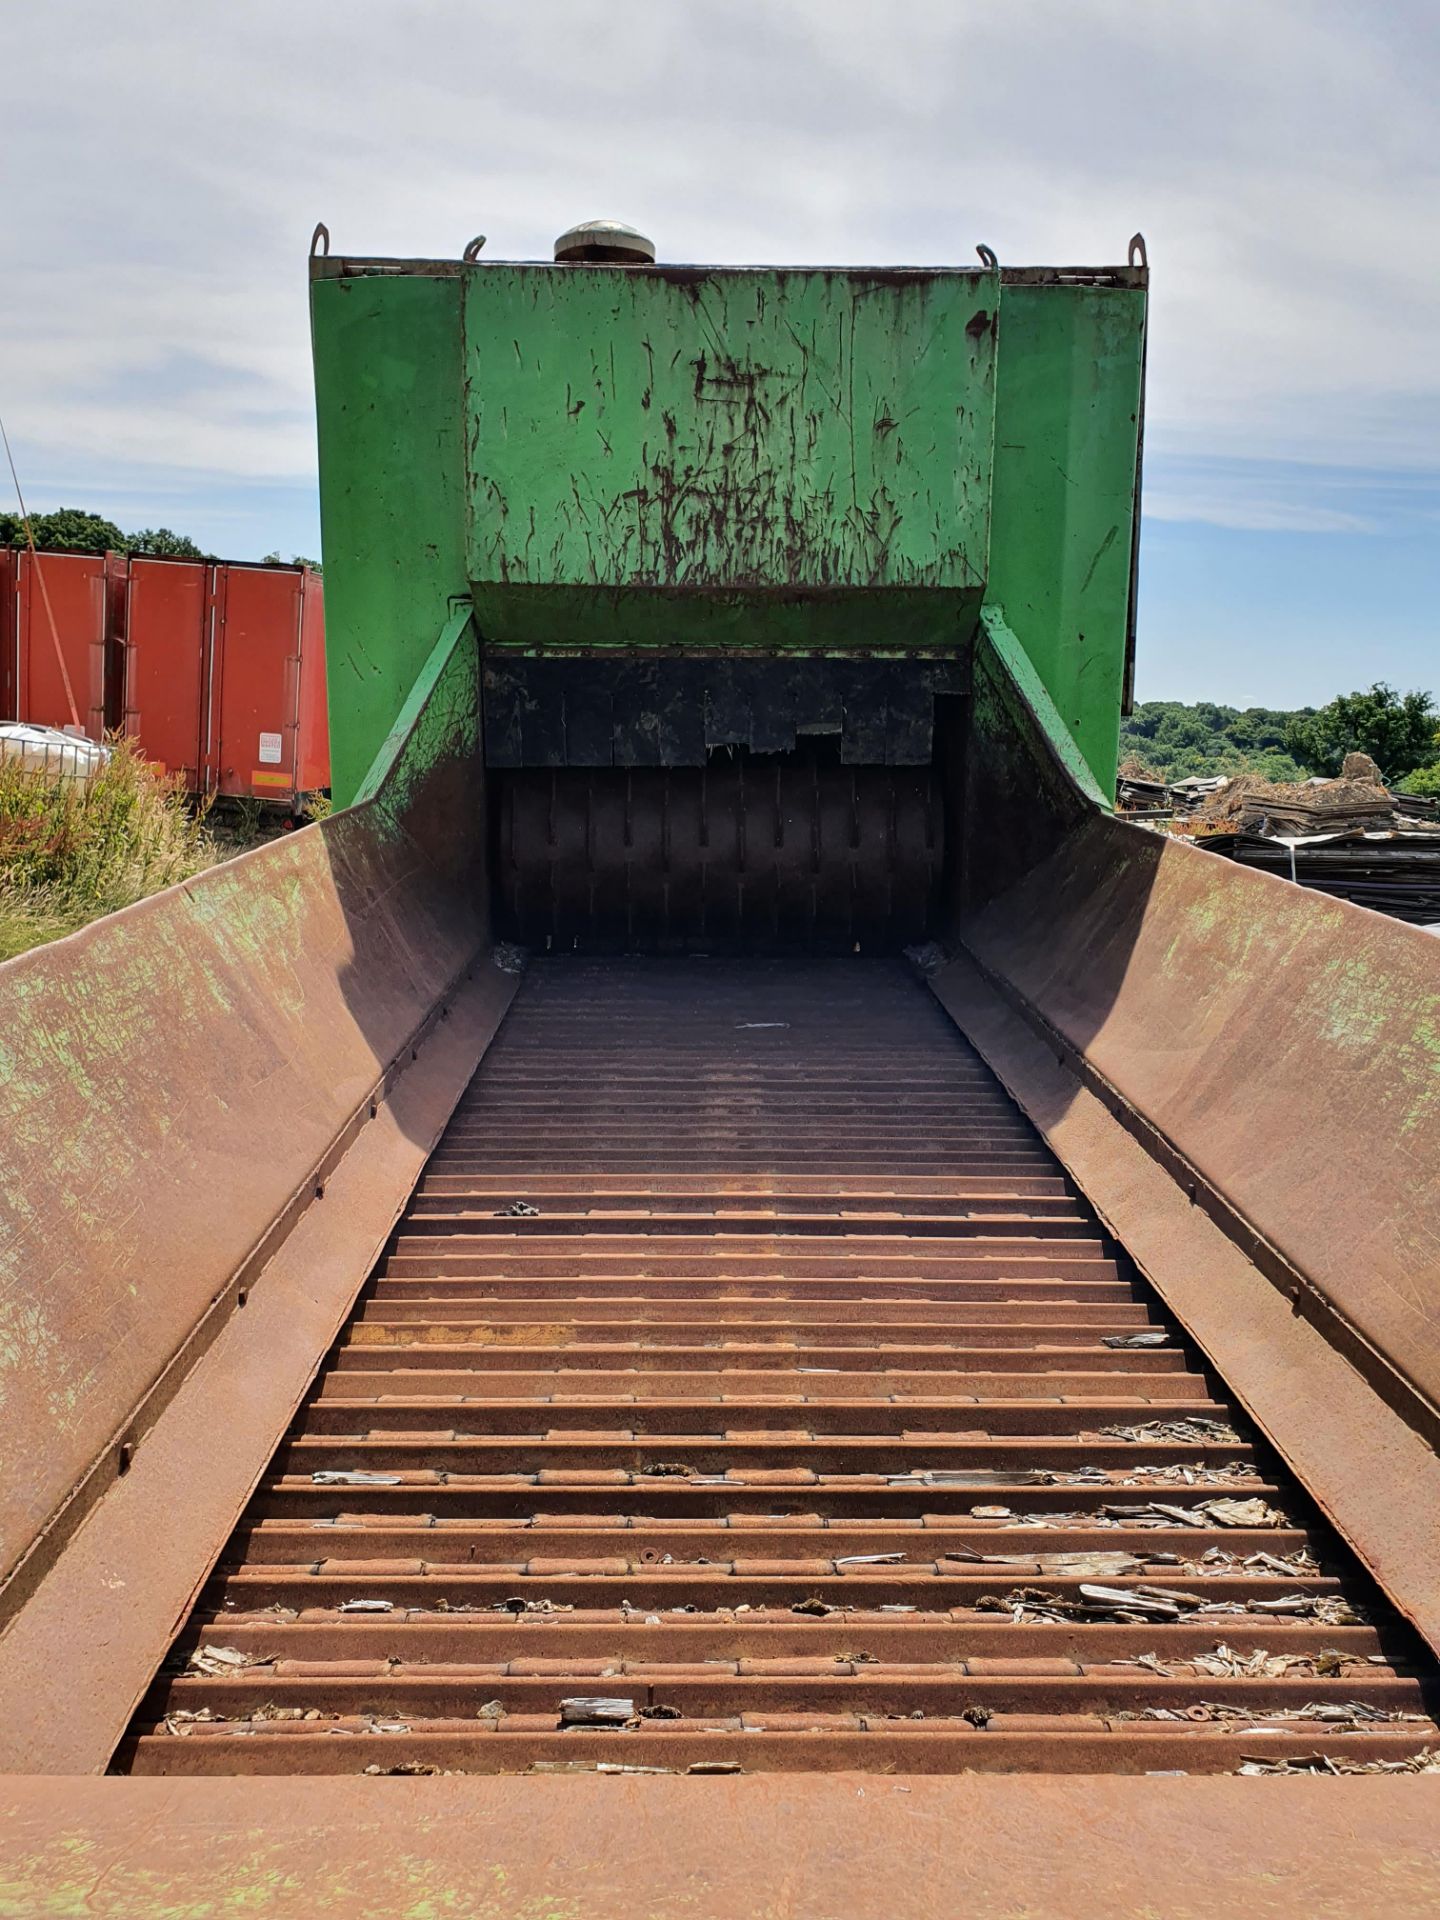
(723, 459)
(392, 520)
(1066, 433)
(739, 435)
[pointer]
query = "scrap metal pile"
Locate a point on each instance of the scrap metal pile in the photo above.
(1351, 838)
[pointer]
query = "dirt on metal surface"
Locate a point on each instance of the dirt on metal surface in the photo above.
(271, 993)
(746, 1388)
(105, 1613)
(1283, 1044)
(1376, 1477)
(780, 1848)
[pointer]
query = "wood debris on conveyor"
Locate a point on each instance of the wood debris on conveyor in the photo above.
(746, 1387)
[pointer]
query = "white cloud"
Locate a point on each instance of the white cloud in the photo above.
(1245, 513)
(164, 164)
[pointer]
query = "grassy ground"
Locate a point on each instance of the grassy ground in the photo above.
(71, 850)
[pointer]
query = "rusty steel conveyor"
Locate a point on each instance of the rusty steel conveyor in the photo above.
(818, 1274)
(726, 1406)
(746, 1387)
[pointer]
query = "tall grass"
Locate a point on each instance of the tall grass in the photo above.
(71, 850)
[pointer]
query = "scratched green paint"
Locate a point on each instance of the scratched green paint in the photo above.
(58, 1880)
(1066, 432)
(767, 461)
(1419, 1073)
(387, 395)
(439, 718)
(729, 430)
(1032, 691)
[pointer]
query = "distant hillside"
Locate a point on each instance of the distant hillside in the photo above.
(1173, 740)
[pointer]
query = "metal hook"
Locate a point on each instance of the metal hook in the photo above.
(322, 232)
(987, 259)
(472, 251)
(1137, 255)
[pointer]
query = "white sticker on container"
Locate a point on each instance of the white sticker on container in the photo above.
(271, 746)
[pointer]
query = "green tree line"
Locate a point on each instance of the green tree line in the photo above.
(1174, 740)
(74, 530)
(1400, 731)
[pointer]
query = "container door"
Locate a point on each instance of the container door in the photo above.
(258, 676)
(9, 666)
(70, 587)
(314, 748)
(117, 594)
(165, 655)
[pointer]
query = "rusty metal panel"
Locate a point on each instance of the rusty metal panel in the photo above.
(1282, 1043)
(912, 1848)
(74, 585)
(255, 683)
(1376, 1478)
(8, 661)
(166, 651)
(1273, 1053)
(171, 1076)
(106, 1611)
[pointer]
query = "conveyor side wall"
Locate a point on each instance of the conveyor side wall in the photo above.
(1272, 1049)
(174, 1079)
(387, 373)
(1063, 516)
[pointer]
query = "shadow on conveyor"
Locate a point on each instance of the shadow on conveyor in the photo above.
(752, 853)
(785, 809)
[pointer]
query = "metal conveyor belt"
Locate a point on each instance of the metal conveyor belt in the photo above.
(747, 1387)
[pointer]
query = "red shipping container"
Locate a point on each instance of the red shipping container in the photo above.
(71, 588)
(254, 730)
(9, 666)
(314, 738)
(216, 668)
(167, 622)
(225, 677)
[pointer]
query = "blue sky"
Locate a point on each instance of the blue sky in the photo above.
(1281, 156)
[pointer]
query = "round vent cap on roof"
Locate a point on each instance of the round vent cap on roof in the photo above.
(606, 240)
